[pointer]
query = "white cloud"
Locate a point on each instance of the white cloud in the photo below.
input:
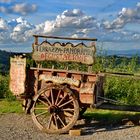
(72, 13)
(5, 1)
(126, 15)
(72, 23)
(20, 8)
(138, 4)
(4, 10)
(18, 32)
(3, 24)
(69, 23)
(24, 8)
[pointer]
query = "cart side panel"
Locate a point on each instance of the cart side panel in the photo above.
(87, 89)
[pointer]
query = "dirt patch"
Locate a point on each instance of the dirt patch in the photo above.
(21, 127)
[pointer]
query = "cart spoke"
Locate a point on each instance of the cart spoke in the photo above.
(57, 97)
(52, 97)
(66, 103)
(68, 114)
(61, 121)
(69, 119)
(48, 100)
(68, 109)
(55, 119)
(62, 99)
(42, 113)
(41, 108)
(43, 102)
(50, 120)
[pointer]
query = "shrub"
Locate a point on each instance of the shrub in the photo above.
(4, 88)
(125, 90)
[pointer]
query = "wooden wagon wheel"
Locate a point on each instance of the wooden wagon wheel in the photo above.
(55, 109)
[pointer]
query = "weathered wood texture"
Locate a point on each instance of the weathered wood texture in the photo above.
(123, 75)
(119, 107)
(17, 75)
(64, 52)
(83, 84)
(76, 132)
(66, 38)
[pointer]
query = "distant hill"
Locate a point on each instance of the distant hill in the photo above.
(126, 53)
(4, 60)
(5, 57)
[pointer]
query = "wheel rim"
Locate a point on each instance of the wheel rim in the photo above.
(55, 109)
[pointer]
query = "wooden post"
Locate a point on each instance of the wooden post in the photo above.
(90, 69)
(37, 78)
(36, 40)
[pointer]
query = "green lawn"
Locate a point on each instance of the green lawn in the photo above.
(111, 116)
(107, 116)
(10, 107)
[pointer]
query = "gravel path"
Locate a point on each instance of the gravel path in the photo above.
(20, 127)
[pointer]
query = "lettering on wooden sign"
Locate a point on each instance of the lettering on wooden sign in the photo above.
(17, 75)
(59, 80)
(64, 52)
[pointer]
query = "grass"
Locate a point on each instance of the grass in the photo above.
(103, 116)
(10, 107)
(111, 116)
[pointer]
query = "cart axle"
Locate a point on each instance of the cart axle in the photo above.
(54, 109)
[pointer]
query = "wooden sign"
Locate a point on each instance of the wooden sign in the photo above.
(59, 80)
(64, 52)
(17, 75)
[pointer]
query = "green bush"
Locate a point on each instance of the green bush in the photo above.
(126, 90)
(4, 88)
(117, 64)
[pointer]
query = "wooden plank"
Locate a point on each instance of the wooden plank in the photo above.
(123, 76)
(75, 132)
(59, 80)
(66, 38)
(119, 107)
(120, 73)
(64, 52)
(66, 71)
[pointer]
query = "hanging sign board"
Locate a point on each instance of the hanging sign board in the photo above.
(64, 52)
(17, 75)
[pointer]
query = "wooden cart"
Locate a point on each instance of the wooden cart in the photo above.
(56, 97)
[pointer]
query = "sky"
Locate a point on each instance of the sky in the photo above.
(116, 24)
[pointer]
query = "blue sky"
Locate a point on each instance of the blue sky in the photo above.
(115, 23)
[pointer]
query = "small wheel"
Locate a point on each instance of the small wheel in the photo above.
(55, 109)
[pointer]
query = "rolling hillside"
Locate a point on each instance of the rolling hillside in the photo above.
(5, 57)
(4, 60)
